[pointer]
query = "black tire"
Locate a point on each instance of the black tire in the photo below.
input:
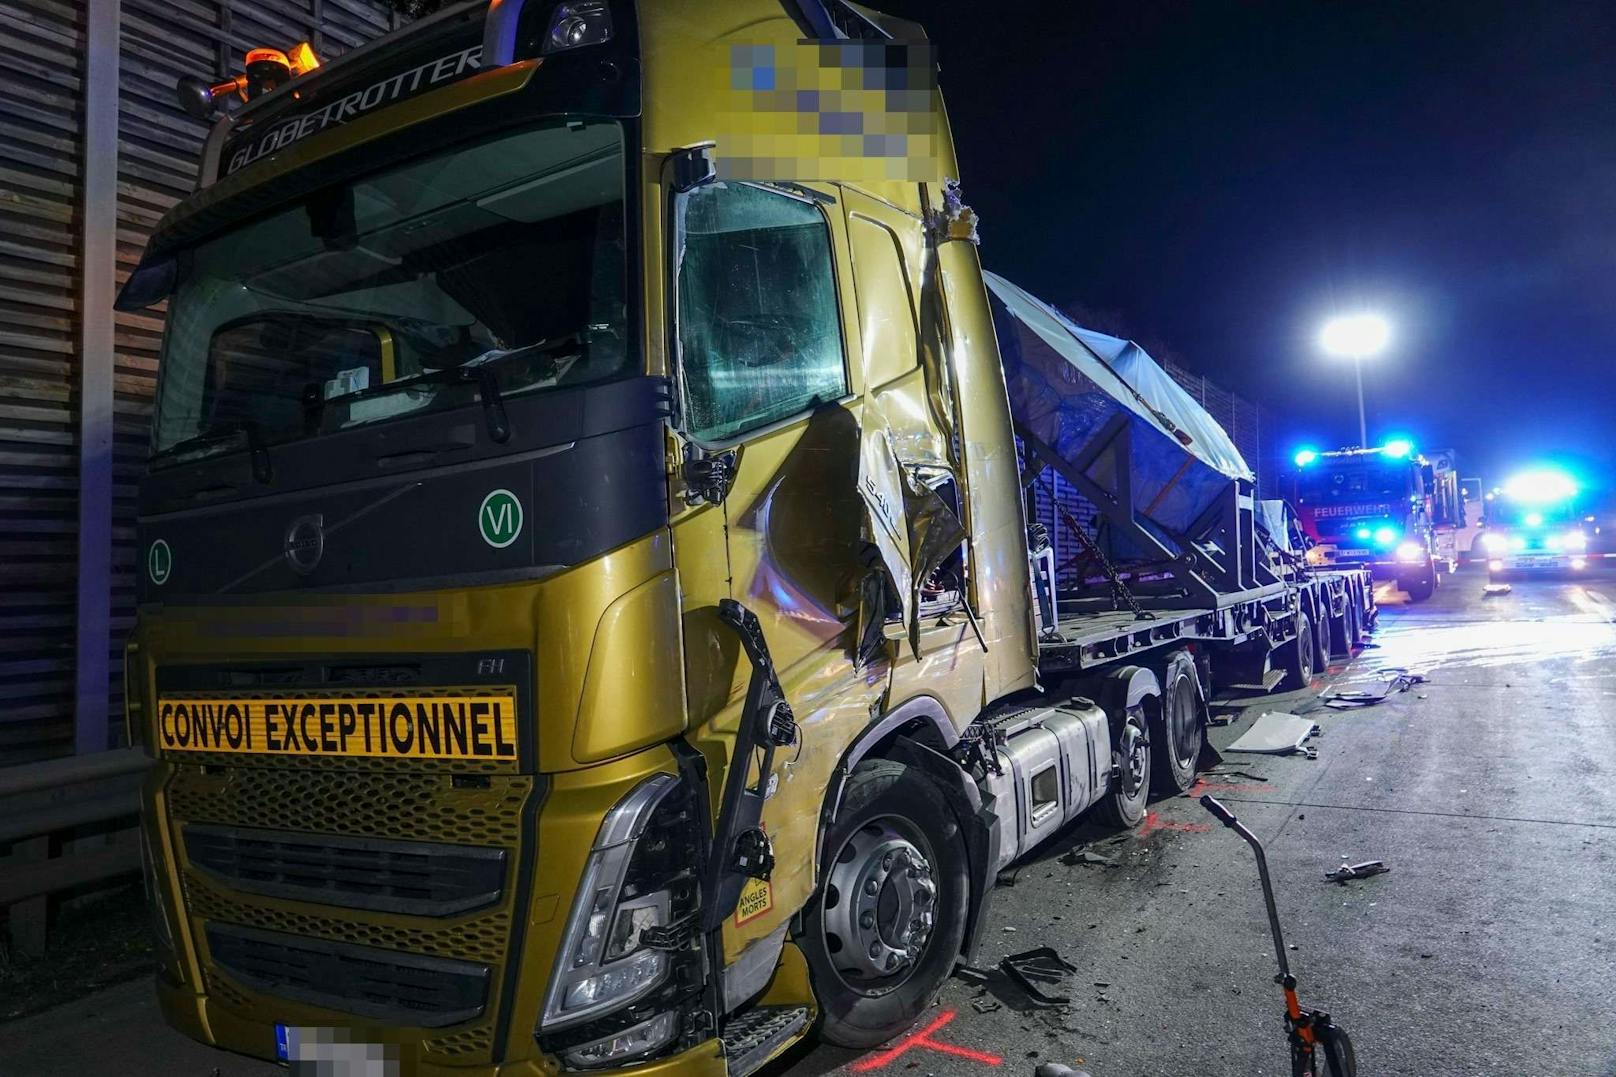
(1322, 643)
(1355, 626)
(1177, 727)
(1421, 587)
(1123, 805)
(1296, 657)
(884, 802)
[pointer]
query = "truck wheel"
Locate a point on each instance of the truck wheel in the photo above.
(1176, 730)
(1321, 643)
(1355, 627)
(888, 920)
(1124, 803)
(1296, 657)
(1420, 588)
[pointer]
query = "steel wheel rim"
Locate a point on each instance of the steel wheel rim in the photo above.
(880, 905)
(1304, 650)
(1135, 762)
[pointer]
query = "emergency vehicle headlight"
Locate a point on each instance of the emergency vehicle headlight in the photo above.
(637, 1040)
(1495, 565)
(1410, 551)
(1385, 536)
(1575, 540)
(1491, 541)
(1517, 542)
(577, 23)
(1578, 564)
(601, 964)
(1554, 542)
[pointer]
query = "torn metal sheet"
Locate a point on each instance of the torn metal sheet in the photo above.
(1276, 733)
(1386, 682)
(881, 487)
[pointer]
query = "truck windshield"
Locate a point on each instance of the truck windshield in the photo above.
(394, 293)
(1359, 481)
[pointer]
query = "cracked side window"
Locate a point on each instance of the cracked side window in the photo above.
(760, 336)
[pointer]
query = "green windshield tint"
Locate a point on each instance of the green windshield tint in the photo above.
(345, 309)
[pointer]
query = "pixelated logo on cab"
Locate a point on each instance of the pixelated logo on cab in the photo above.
(852, 111)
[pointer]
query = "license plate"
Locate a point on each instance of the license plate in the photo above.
(1537, 562)
(457, 723)
(334, 1050)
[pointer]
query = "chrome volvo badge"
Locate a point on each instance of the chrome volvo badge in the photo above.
(305, 543)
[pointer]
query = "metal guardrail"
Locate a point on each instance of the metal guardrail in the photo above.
(42, 800)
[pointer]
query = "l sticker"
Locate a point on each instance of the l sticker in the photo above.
(499, 518)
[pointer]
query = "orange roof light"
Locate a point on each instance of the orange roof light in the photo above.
(303, 58)
(256, 56)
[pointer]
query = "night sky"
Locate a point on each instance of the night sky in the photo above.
(1214, 179)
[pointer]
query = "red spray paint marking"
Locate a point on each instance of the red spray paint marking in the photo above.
(923, 1039)
(1154, 822)
(1203, 786)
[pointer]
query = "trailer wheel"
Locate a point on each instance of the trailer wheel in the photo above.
(1341, 630)
(1355, 626)
(1124, 803)
(887, 923)
(1176, 730)
(1297, 656)
(1322, 642)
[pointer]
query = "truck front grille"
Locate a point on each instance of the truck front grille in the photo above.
(412, 877)
(321, 811)
(406, 989)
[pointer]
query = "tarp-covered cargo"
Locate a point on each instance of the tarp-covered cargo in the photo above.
(1081, 399)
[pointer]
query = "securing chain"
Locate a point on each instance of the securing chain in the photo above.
(1119, 590)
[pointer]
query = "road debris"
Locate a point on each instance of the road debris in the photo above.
(986, 1004)
(1039, 965)
(1084, 856)
(1277, 733)
(1347, 872)
(1055, 1069)
(1397, 680)
(1494, 590)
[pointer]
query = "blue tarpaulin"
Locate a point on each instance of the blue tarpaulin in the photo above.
(1067, 383)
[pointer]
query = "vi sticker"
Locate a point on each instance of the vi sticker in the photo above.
(499, 518)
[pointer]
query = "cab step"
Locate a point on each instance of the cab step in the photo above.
(752, 1038)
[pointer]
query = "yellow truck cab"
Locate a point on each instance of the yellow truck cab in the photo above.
(510, 643)
(587, 618)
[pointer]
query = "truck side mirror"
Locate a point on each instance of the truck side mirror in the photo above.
(692, 167)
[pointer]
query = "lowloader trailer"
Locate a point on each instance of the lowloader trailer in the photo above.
(588, 620)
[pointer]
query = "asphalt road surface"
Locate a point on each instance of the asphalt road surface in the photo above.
(1490, 790)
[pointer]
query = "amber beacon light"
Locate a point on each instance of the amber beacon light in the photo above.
(265, 69)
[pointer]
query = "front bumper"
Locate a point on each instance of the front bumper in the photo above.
(207, 1020)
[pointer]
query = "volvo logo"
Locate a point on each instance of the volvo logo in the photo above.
(305, 543)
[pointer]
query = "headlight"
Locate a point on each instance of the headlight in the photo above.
(1553, 542)
(1517, 542)
(1575, 540)
(1385, 536)
(601, 964)
(1410, 551)
(1492, 541)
